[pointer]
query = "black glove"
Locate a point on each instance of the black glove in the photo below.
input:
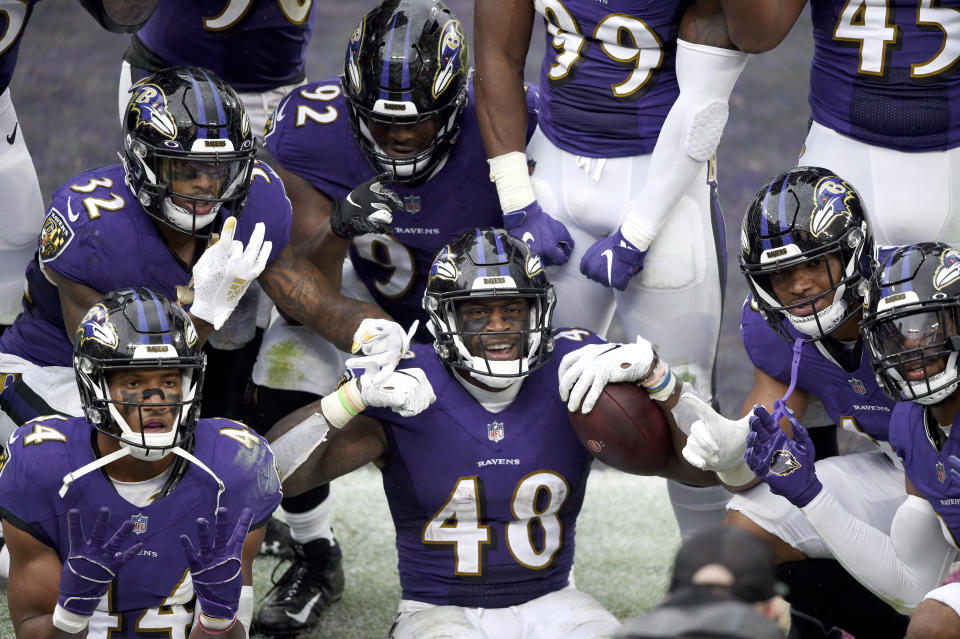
(368, 208)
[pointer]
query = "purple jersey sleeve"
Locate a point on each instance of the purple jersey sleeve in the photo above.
(253, 45)
(885, 73)
(607, 80)
(313, 120)
(512, 481)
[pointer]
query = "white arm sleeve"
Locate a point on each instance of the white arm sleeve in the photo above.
(689, 136)
(900, 568)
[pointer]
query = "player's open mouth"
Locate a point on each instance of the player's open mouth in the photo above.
(154, 427)
(806, 310)
(501, 351)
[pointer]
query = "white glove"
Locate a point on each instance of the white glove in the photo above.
(406, 392)
(584, 372)
(715, 443)
(383, 343)
(223, 273)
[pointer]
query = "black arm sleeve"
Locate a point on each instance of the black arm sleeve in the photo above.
(132, 14)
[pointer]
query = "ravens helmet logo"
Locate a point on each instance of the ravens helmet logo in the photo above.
(783, 463)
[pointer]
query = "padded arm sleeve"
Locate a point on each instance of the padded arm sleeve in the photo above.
(900, 568)
(689, 136)
(97, 10)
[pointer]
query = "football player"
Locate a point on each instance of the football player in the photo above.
(188, 164)
(403, 106)
(881, 84)
(805, 251)
(258, 48)
(21, 207)
(910, 324)
(601, 202)
(137, 517)
(483, 473)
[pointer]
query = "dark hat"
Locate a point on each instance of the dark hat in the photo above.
(728, 558)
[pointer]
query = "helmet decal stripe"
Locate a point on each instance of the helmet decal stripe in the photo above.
(885, 277)
(385, 72)
(906, 269)
(221, 114)
(501, 254)
(142, 325)
(764, 224)
(201, 110)
(482, 259)
(782, 214)
(405, 72)
(162, 317)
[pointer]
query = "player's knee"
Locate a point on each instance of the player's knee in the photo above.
(934, 620)
(440, 622)
(782, 551)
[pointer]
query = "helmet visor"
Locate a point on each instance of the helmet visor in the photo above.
(204, 180)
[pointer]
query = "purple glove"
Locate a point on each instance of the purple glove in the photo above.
(612, 261)
(92, 565)
(215, 567)
(544, 235)
(785, 464)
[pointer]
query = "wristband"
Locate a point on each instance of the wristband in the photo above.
(660, 382)
(68, 621)
(510, 174)
(215, 626)
(343, 405)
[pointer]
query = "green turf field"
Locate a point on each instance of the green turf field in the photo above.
(625, 545)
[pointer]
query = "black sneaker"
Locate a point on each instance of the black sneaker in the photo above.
(277, 541)
(313, 580)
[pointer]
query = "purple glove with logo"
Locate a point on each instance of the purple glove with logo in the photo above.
(215, 567)
(92, 565)
(544, 235)
(785, 464)
(612, 261)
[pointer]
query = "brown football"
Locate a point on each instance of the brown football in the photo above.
(626, 430)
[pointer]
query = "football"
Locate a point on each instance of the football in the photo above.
(626, 430)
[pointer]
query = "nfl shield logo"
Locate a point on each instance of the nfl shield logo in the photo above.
(411, 204)
(941, 472)
(495, 431)
(858, 386)
(139, 523)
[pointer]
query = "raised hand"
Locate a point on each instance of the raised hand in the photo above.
(215, 565)
(90, 567)
(407, 392)
(382, 343)
(544, 235)
(612, 261)
(369, 208)
(224, 272)
(786, 465)
(584, 372)
(715, 443)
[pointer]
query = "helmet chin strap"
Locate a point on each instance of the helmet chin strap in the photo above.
(500, 368)
(947, 377)
(184, 220)
(123, 451)
(824, 322)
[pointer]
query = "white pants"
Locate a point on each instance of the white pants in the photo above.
(867, 484)
(564, 614)
(675, 301)
(297, 359)
(259, 105)
(21, 210)
(55, 385)
(909, 197)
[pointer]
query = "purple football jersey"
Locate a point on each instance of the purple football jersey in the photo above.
(915, 441)
(485, 504)
(310, 136)
(152, 592)
(254, 45)
(14, 15)
(607, 80)
(885, 72)
(852, 398)
(97, 234)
